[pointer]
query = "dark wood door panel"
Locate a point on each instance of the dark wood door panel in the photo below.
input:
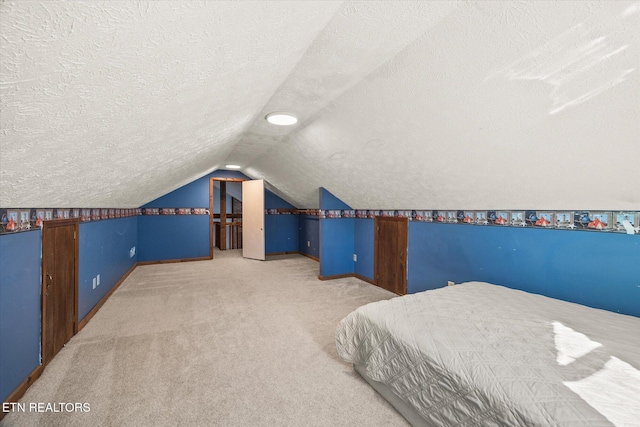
(388, 244)
(390, 254)
(403, 240)
(64, 282)
(48, 294)
(59, 285)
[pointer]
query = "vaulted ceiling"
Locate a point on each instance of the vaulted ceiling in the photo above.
(401, 104)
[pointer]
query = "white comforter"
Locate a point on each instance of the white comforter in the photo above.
(481, 354)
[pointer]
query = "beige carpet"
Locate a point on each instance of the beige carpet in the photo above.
(228, 342)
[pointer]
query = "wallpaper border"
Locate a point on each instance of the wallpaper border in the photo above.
(604, 221)
(16, 220)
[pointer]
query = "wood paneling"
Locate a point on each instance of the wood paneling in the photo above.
(236, 208)
(390, 257)
(235, 232)
(229, 215)
(59, 285)
(222, 237)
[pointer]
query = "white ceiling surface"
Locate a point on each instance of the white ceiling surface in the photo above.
(424, 105)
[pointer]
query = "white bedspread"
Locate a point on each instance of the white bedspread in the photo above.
(481, 354)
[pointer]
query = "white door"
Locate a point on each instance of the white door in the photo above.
(253, 219)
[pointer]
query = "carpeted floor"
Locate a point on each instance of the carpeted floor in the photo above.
(228, 342)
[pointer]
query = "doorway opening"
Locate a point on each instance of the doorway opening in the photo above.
(225, 228)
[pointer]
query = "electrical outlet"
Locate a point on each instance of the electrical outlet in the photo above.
(94, 283)
(308, 243)
(132, 252)
(355, 258)
(450, 283)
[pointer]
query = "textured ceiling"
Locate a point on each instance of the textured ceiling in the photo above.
(460, 105)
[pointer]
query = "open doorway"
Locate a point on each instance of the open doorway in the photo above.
(236, 216)
(225, 214)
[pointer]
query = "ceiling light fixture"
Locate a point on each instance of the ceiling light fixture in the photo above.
(281, 119)
(232, 166)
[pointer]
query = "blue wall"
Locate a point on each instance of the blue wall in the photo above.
(169, 237)
(364, 247)
(336, 246)
(329, 201)
(272, 201)
(20, 278)
(192, 195)
(196, 194)
(104, 250)
(309, 231)
(281, 233)
(591, 268)
(336, 238)
(597, 269)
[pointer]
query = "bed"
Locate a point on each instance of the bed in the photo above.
(481, 354)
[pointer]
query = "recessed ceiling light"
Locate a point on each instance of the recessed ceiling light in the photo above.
(232, 166)
(281, 119)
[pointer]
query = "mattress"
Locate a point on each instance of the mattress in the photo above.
(481, 354)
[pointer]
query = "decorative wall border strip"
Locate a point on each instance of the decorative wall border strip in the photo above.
(15, 220)
(27, 219)
(608, 221)
(175, 211)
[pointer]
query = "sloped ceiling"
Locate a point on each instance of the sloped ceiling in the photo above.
(401, 104)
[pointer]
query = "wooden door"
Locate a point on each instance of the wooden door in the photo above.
(253, 242)
(390, 256)
(59, 285)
